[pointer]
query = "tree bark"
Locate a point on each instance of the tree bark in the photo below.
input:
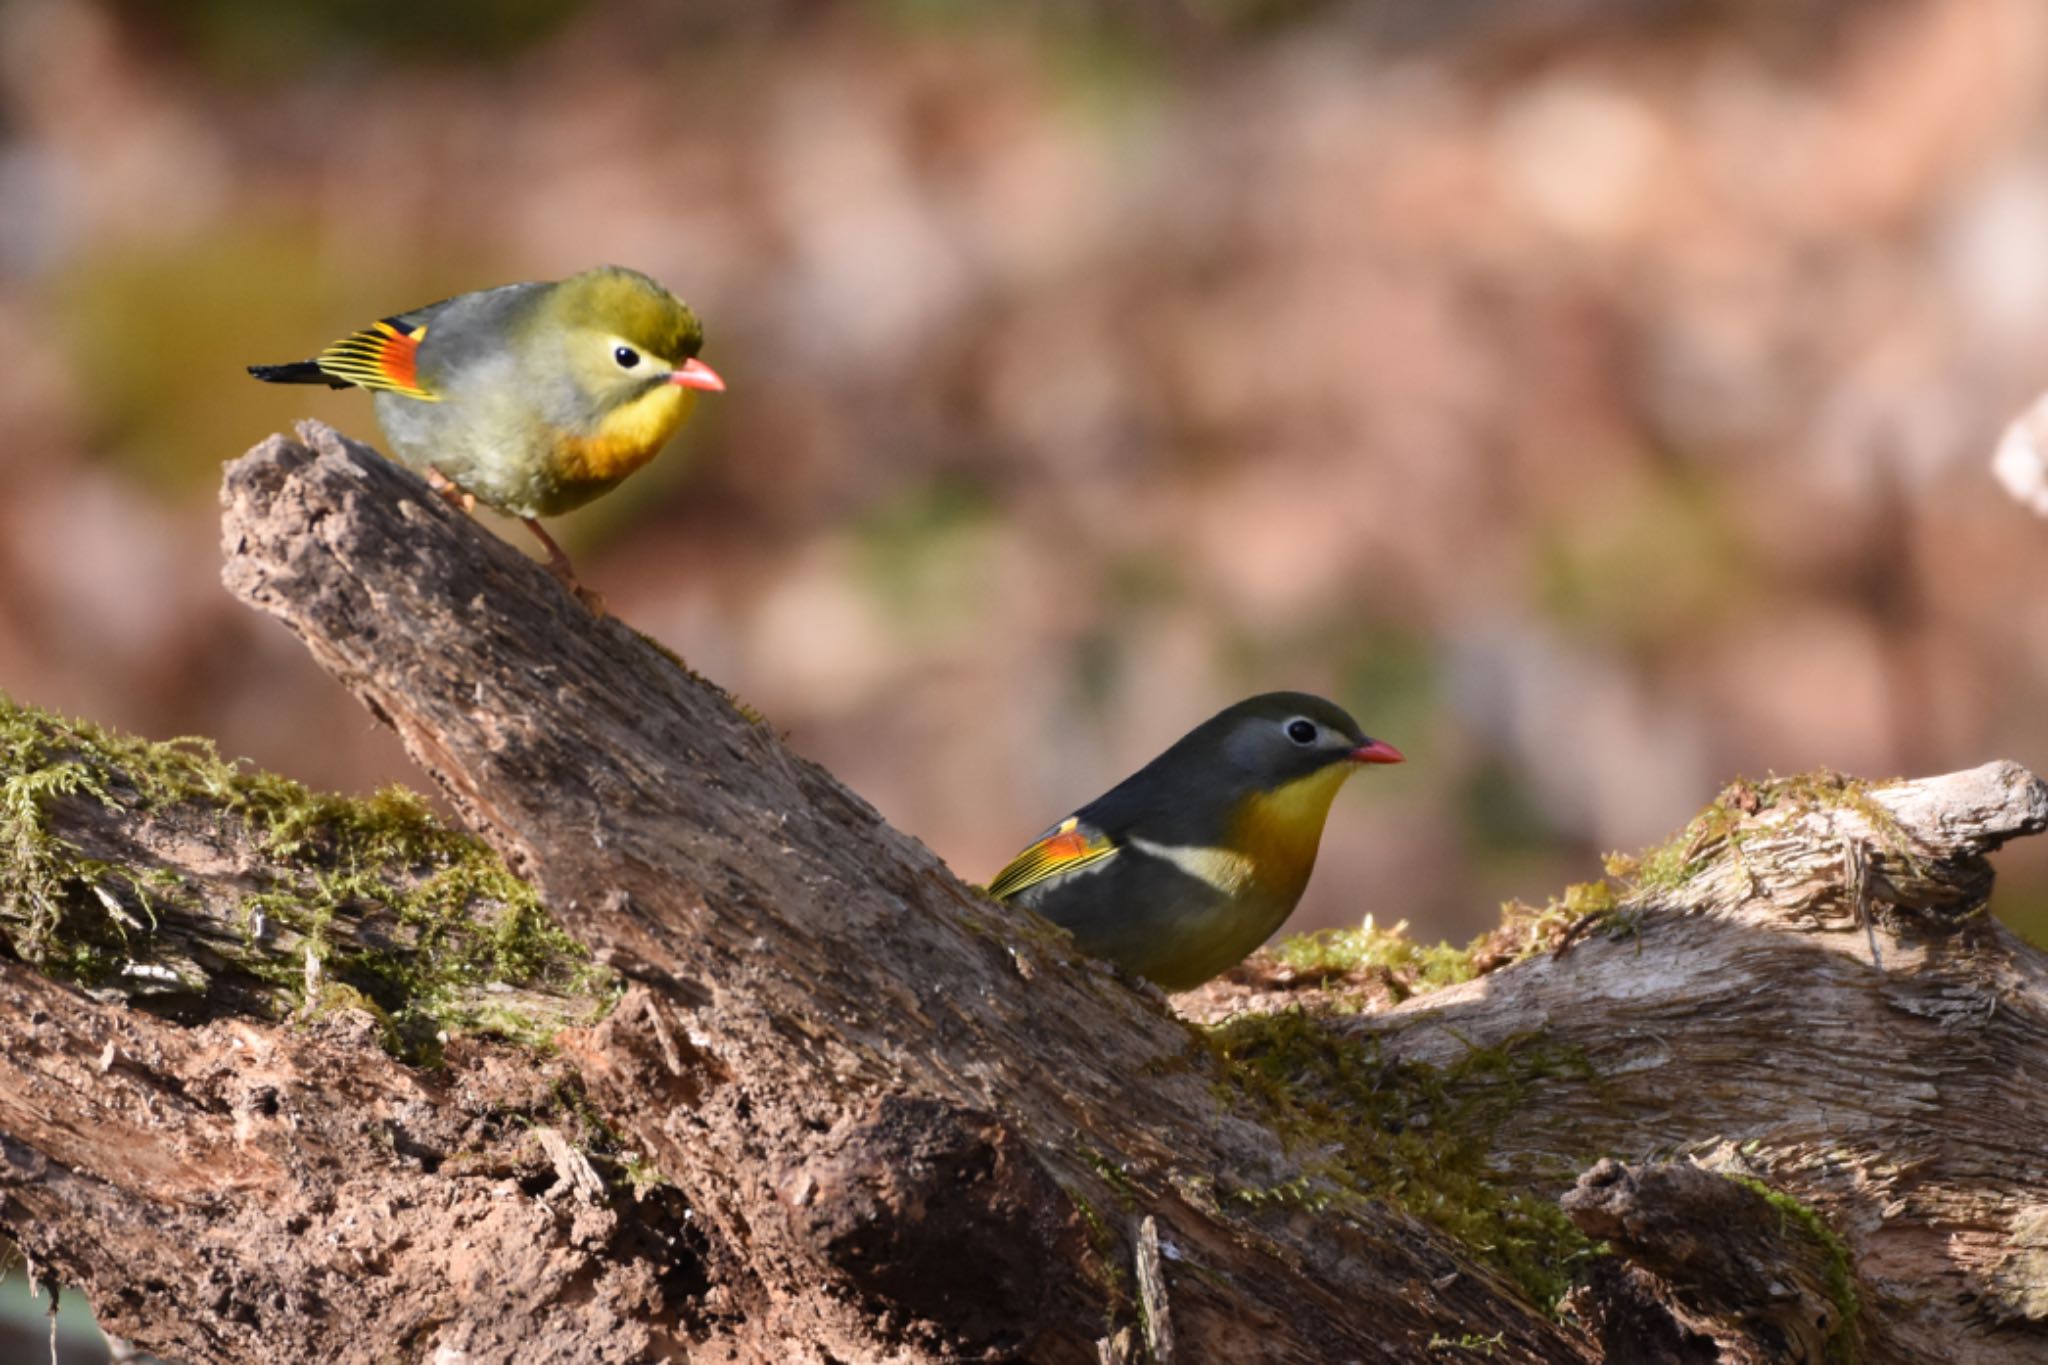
(870, 1115)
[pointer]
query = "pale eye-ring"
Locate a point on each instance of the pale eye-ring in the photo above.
(1301, 731)
(626, 357)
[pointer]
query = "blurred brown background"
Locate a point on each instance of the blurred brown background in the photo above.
(1594, 395)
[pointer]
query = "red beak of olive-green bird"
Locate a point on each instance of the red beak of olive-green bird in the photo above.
(1182, 869)
(529, 398)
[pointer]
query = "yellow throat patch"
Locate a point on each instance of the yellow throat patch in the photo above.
(627, 437)
(1278, 830)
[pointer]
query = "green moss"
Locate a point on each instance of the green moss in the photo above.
(1723, 825)
(422, 924)
(640, 1173)
(1611, 905)
(1412, 967)
(1840, 1279)
(1128, 1195)
(1407, 968)
(47, 885)
(1589, 900)
(1108, 1249)
(1419, 1137)
(1678, 860)
(1586, 909)
(664, 651)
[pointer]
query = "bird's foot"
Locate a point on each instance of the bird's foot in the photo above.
(445, 486)
(558, 565)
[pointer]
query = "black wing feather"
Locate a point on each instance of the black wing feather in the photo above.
(298, 372)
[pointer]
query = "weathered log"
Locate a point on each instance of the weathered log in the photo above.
(876, 1116)
(1734, 1011)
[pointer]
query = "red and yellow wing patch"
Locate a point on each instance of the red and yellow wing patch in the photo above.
(1065, 848)
(385, 355)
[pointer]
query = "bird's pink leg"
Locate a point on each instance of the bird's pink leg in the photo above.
(558, 565)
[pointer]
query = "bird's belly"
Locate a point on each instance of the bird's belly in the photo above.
(488, 452)
(514, 458)
(1157, 920)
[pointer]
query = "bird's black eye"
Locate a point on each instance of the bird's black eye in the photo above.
(1301, 731)
(626, 356)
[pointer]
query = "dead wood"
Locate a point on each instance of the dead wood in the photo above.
(878, 1117)
(1733, 1014)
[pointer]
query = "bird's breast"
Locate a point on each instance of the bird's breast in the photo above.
(1278, 831)
(623, 439)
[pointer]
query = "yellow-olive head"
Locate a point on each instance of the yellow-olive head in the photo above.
(618, 337)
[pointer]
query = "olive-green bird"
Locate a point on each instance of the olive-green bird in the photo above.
(1184, 867)
(529, 398)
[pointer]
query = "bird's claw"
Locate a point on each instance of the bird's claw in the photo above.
(446, 487)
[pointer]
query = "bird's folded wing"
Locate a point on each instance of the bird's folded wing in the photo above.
(1066, 847)
(384, 355)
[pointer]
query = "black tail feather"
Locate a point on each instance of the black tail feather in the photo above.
(298, 372)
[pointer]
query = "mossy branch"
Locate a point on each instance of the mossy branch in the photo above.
(165, 876)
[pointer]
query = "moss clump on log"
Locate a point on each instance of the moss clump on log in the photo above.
(1419, 1137)
(240, 889)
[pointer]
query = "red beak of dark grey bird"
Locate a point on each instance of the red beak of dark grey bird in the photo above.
(695, 374)
(1376, 751)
